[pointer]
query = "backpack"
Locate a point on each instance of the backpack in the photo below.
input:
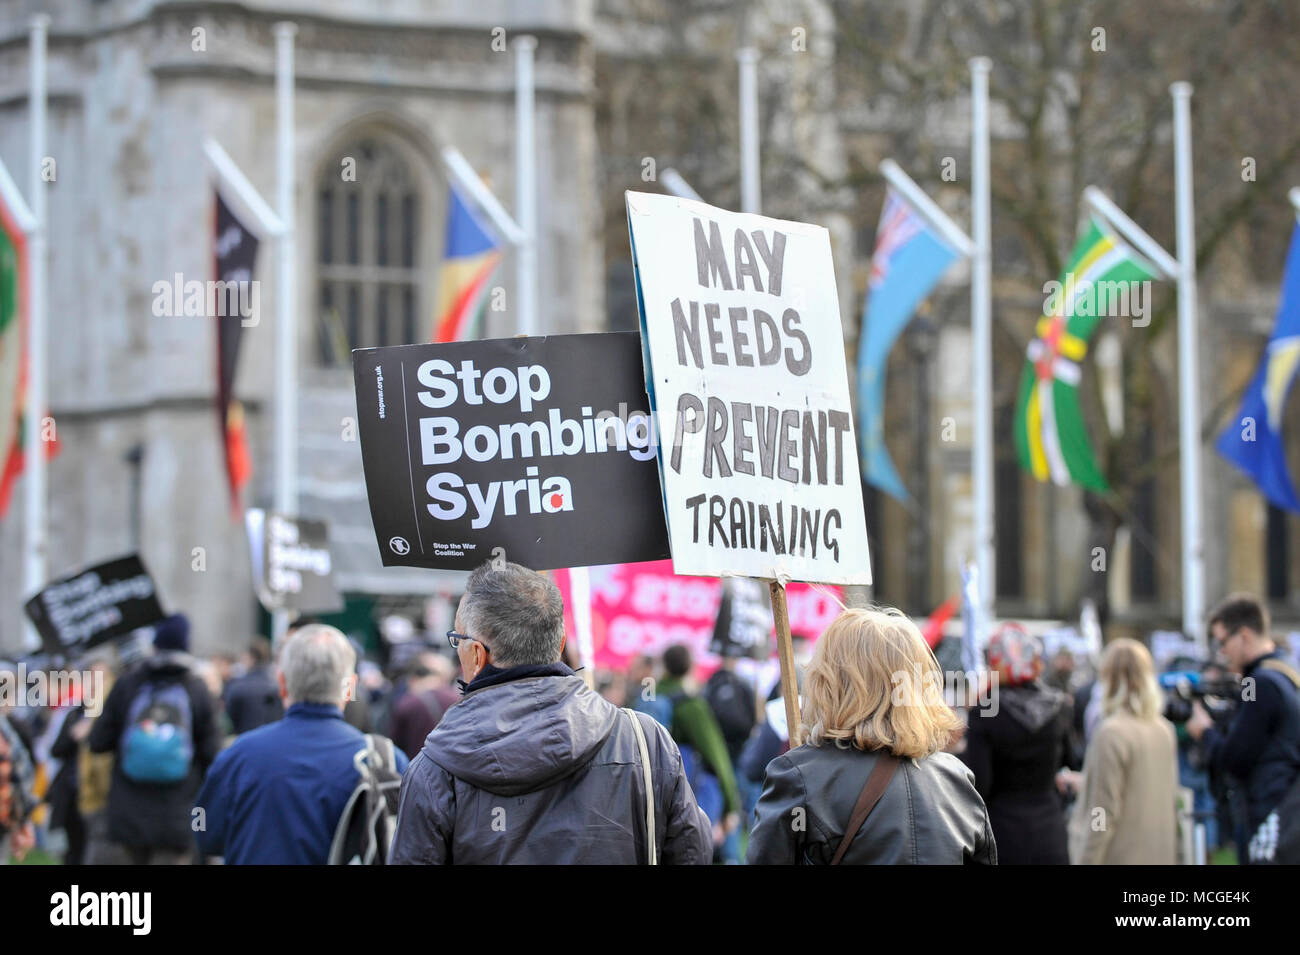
(157, 745)
(660, 709)
(1277, 840)
(732, 702)
(365, 830)
(705, 785)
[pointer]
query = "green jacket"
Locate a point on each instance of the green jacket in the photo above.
(695, 726)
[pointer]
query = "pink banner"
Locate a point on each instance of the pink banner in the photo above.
(646, 608)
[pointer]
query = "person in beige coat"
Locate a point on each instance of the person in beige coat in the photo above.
(1126, 811)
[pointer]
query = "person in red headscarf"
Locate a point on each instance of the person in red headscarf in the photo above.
(1015, 744)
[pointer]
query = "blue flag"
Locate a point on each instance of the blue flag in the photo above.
(1253, 440)
(908, 261)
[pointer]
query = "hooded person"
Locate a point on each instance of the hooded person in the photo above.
(1016, 745)
(531, 766)
(160, 723)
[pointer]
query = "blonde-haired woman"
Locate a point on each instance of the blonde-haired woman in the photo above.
(1125, 813)
(871, 784)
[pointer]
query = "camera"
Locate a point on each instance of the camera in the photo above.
(1219, 695)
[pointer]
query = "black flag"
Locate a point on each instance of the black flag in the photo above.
(236, 301)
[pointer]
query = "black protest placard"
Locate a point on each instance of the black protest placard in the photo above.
(94, 606)
(539, 451)
(292, 565)
(743, 627)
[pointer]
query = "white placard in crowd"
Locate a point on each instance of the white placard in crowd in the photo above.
(745, 367)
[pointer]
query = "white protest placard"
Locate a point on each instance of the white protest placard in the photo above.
(745, 368)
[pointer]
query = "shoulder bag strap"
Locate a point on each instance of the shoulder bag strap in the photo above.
(876, 785)
(652, 847)
(1277, 666)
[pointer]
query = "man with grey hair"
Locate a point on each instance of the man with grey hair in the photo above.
(277, 794)
(531, 766)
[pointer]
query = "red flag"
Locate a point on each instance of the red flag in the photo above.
(933, 631)
(13, 466)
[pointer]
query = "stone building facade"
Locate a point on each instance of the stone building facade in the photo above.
(134, 87)
(625, 89)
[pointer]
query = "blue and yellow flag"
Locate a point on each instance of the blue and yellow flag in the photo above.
(469, 258)
(1253, 440)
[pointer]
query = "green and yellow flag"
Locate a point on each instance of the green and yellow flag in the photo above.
(1104, 278)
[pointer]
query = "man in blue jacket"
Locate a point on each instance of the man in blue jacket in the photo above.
(1260, 750)
(276, 795)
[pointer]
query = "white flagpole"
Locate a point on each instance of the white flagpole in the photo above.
(459, 169)
(981, 292)
(1131, 232)
(526, 184)
(580, 596)
(13, 199)
(926, 207)
(286, 295)
(751, 181)
(676, 184)
(241, 192)
(34, 478)
(1189, 415)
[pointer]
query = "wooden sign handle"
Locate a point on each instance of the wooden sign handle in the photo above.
(785, 653)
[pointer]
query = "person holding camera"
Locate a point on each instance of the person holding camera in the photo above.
(1260, 749)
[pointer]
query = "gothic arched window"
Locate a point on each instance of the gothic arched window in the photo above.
(368, 256)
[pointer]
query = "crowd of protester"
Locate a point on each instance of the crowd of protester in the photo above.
(489, 745)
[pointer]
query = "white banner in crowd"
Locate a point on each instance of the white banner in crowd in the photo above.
(745, 367)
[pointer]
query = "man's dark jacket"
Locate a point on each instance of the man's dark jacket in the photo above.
(533, 767)
(1261, 748)
(152, 815)
(253, 700)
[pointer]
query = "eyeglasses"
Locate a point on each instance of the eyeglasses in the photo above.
(455, 638)
(1221, 644)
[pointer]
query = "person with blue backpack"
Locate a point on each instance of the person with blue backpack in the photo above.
(160, 722)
